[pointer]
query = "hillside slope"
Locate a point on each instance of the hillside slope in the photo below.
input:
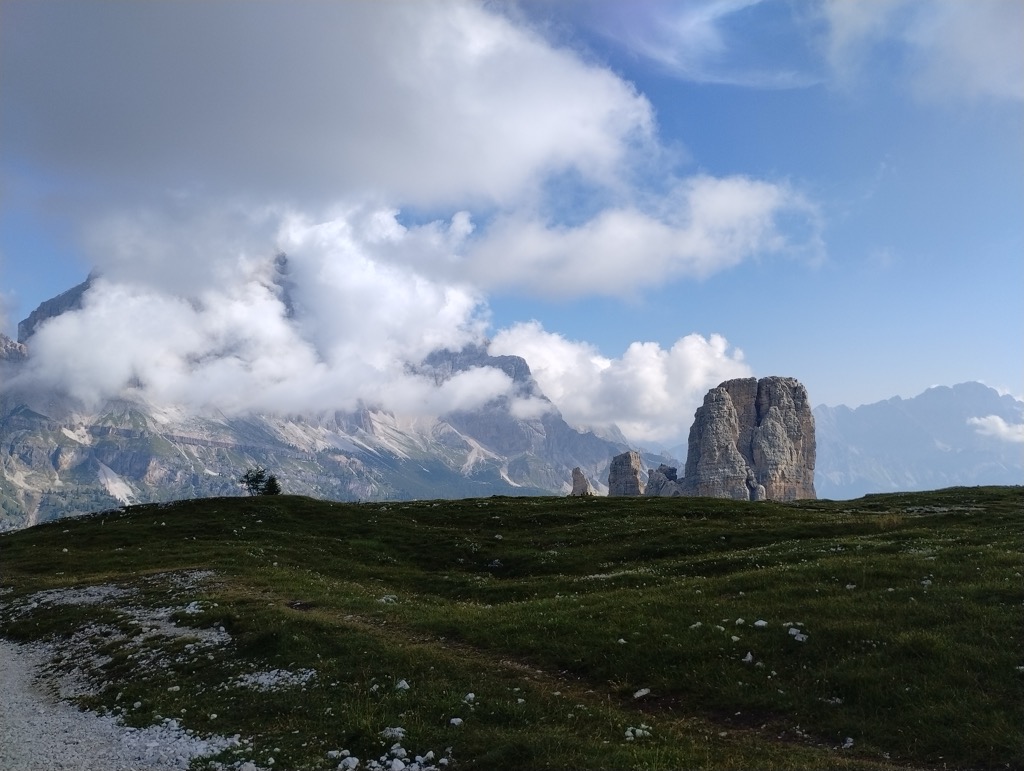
(545, 633)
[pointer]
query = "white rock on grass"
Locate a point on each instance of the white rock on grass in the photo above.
(641, 693)
(456, 721)
(274, 679)
(760, 623)
(639, 732)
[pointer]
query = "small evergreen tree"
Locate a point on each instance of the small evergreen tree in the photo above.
(255, 479)
(271, 486)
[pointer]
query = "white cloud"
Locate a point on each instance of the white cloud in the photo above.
(421, 102)
(996, 427)
(221, 334)
(401, 155)
(697, 40)
(707, 225)
(650, 393)
(951, 49)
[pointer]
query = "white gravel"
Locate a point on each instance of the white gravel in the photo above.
(40, 733)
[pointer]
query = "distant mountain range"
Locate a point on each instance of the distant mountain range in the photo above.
(967, 434)
(57, 459)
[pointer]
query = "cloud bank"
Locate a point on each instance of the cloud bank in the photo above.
(650, 393)
(327, 329)
(410, 159)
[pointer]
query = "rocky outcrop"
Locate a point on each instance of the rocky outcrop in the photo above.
(580, 483)
(663, 482)
(752, 440)
(624, 475)
(68, 301)
(10, 350)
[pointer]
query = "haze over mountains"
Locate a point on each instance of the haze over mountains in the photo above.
(62, 455)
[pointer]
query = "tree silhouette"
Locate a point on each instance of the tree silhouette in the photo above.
(255, 479)
(271, 486)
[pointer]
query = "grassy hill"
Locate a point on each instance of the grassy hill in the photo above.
(564, 633)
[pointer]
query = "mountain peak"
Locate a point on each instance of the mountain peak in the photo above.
(55, 306)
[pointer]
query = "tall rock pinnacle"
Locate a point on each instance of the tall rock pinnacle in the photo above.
(624, 475)
(752, 440)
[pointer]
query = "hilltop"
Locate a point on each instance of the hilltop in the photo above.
(544, 632)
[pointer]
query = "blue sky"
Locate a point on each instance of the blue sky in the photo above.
(641, 198)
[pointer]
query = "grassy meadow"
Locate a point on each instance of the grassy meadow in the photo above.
(547, 633)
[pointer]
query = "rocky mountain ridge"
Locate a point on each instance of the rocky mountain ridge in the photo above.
(58, 458)
(966, 434)
(57, 461)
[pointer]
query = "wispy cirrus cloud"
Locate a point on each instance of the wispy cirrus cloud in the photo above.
(704, 41)
(949, 50)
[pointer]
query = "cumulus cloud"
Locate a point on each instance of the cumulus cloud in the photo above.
(707, 225)
(996, 427)
(407, 157)
(649, 392)
(952, 49)
(236, 330)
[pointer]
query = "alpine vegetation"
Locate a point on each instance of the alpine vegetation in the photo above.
(575, 632)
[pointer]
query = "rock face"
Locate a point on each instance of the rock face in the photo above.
(580, 483)
(68, 301)
(10, 350)
(624, 475)
(663, 482)
(752, 440)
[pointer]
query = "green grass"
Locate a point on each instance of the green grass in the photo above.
(554, 613)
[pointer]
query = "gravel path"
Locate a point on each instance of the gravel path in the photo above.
(40, 733)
